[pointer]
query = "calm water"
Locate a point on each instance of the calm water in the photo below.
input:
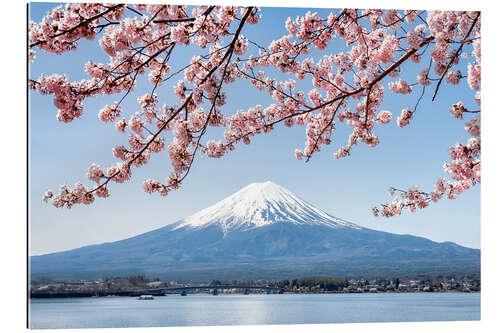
(206, 310)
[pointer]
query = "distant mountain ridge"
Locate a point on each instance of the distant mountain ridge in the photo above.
(261, 231)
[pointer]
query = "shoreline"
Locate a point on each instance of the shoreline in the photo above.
(119, 294)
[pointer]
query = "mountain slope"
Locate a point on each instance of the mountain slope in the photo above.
(262, 231)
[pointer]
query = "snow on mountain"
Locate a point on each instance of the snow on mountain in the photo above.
(258, 205)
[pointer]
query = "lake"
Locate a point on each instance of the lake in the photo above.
(253, 309)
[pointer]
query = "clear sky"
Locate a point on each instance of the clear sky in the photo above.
(347, 188)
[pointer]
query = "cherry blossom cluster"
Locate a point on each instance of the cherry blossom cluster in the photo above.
(400, 87)
(347, 88)
(134, 45)
(465, 165)
(404, 118)
(423, 77)
(464, 169)
(60, 30)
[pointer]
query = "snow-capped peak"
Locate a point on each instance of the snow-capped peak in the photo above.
(260, 204)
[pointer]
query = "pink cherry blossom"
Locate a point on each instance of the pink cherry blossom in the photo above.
(453, 77)
(400, 87)
(309, 82)
(109, 113)
(457, 110)
(404, 119)
(422, 77)
(384, 117)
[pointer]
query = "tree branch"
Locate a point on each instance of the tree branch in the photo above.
(90, 19)
(455, 55)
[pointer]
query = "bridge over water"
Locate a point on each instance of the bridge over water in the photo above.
(152, 291)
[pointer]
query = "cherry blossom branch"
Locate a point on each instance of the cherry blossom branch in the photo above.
(379, 41)
(459, 50)
(83, 23)
(186, 19)
(348, 94)
(135, 11)
(183, 106)
(315, 146)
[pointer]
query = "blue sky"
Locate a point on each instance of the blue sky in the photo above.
(61, 153)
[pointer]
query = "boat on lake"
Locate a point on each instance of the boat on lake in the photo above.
(145, 297)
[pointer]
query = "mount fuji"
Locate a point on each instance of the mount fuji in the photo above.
(261, 231)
